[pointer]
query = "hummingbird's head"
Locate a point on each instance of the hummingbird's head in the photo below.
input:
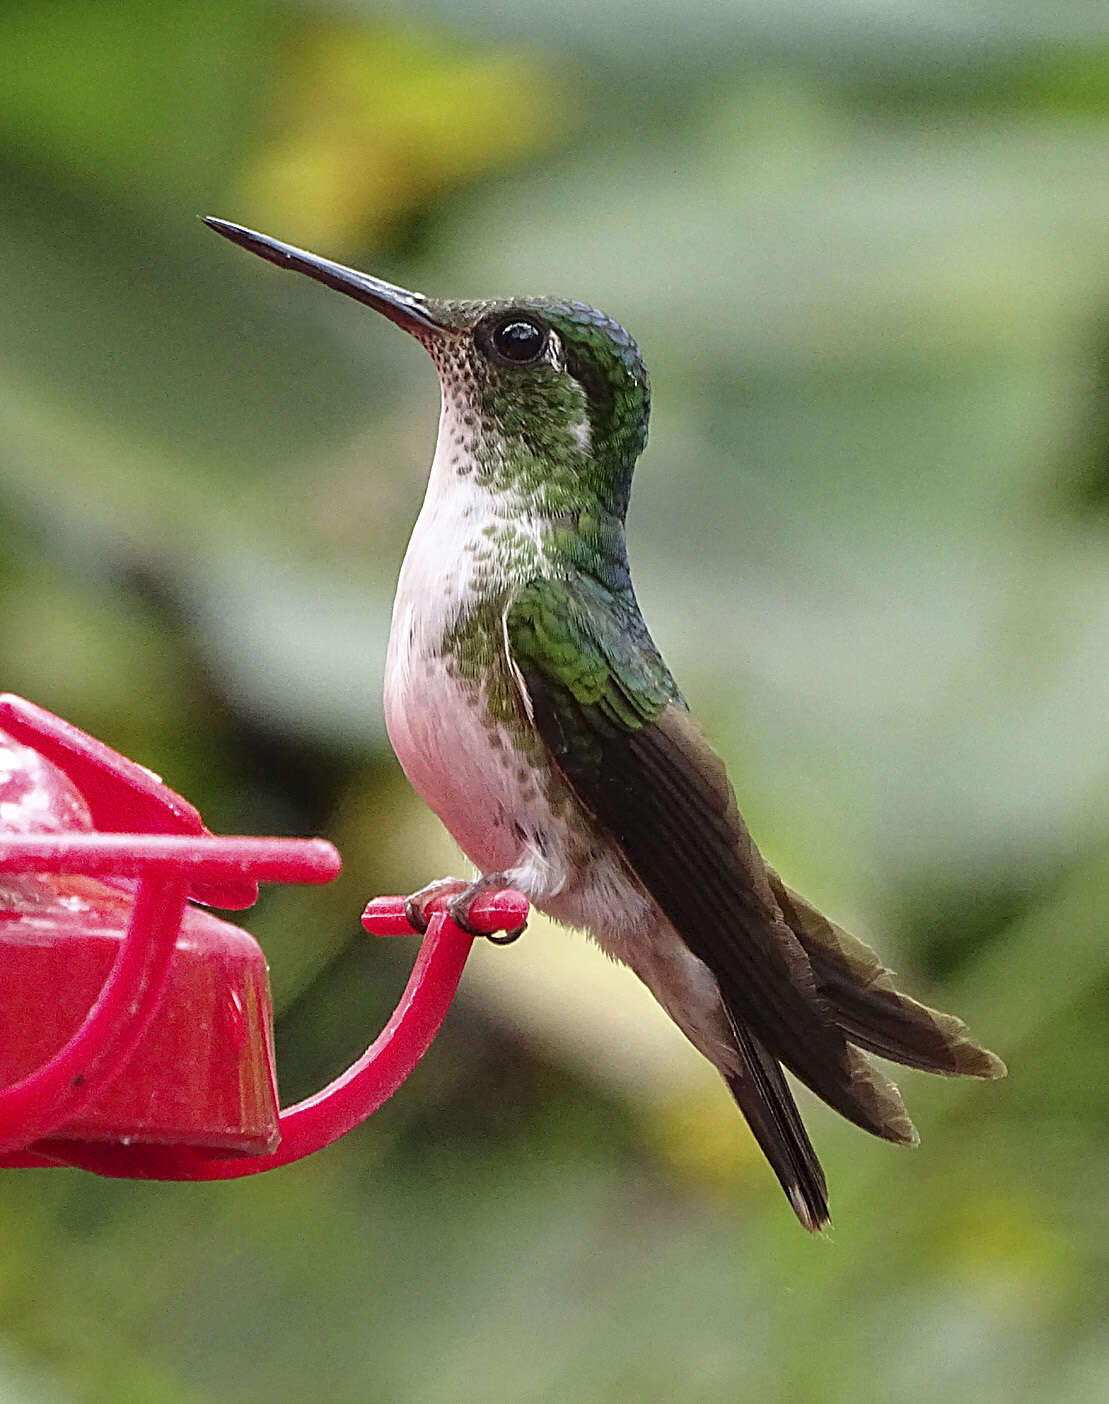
(544, 395)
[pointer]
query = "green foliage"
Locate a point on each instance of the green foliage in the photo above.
(863, 252)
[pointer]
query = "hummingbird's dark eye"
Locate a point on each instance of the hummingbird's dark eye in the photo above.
(519, 339)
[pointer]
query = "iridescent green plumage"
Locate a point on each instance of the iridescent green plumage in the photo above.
(530, 707)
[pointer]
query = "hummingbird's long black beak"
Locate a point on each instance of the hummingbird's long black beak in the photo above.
(409, 310)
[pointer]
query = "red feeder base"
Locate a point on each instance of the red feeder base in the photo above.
(203, 1073)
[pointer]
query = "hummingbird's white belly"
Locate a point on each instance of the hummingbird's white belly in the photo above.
(471, 776)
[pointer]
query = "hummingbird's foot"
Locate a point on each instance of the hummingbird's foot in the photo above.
(458, 908)
(416, 906)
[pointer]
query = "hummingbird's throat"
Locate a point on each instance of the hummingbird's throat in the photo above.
(526, 437)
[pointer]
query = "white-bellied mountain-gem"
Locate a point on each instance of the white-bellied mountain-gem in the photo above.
(531, 709)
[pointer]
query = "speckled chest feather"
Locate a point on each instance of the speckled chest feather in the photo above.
(452, 707)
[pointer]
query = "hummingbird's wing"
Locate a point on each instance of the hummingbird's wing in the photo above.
(611, 717)
(868, 1006)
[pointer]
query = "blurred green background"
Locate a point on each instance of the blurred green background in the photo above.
(865, 249)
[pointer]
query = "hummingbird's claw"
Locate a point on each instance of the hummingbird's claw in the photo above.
(413, 914)
(416, 906)
(462, 895)
(459, 913)
(506, 938)
(458, 909)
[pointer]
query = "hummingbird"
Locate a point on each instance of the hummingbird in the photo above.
(529, 707)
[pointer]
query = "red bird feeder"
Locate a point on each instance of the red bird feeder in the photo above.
(135, 1028)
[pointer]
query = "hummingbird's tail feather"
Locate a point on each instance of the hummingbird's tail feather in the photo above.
(868, 1007)
(764, 1098)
